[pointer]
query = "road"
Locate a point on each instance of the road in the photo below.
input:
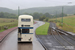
(10, 42)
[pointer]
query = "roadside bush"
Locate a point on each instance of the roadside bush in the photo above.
(46, 19)
(5, 27)
(60, 24)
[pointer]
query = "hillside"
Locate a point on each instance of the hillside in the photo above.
(51, 10)
(69, 20)
(68, 23)
(2, 9)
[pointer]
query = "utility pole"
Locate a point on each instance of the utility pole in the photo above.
(62, 12)
(56, 16)
(62, 15)
(18, 11)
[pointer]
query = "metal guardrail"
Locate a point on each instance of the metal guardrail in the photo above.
(64, 32)
(61, 31)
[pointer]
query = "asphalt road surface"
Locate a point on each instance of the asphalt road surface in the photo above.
(10, 42)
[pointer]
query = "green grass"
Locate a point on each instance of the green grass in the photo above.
(8, 28)
(42, 30)
(68, 23)
(7, 22)
(69, 20)
(66, 27)
(1, 30)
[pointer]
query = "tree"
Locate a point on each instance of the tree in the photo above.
(46, 19)
(74, 14)
(2, 15)
(7, 15)
(42, 18)
(48, 15)
(60, 15)
(36, 15)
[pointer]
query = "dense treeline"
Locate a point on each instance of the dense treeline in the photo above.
(45, 16)
(35, 15)
(7, 15)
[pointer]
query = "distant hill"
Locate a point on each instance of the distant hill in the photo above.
(51, 10)
(2, 9)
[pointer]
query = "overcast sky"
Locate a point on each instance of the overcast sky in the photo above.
(24, 4)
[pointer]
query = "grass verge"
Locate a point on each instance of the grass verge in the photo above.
(10, 23)
(42, 30)
(66, 27)
(8, 28)
(68, 23)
